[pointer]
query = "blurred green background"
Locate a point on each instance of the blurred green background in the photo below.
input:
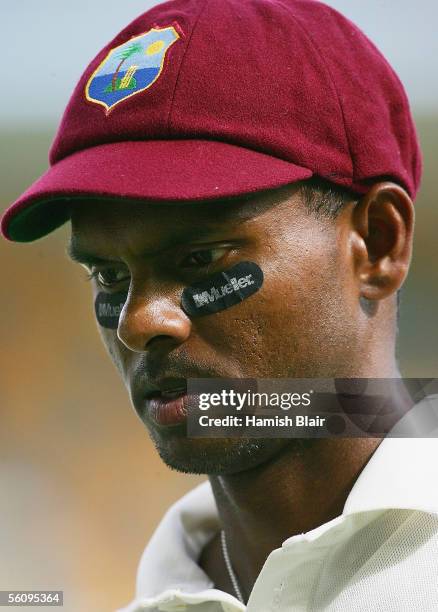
(81, 486)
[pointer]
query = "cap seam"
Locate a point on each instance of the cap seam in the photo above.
(169, 116)
(184, 139)
(328, 71)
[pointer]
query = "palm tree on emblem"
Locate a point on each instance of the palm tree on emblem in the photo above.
(123, 56)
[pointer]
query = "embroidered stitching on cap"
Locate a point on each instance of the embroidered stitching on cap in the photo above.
(130, 68)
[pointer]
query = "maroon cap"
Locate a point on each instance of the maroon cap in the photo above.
(207, 99)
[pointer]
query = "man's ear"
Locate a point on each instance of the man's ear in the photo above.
(383, 225)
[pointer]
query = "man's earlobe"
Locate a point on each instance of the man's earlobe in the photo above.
(383, 224)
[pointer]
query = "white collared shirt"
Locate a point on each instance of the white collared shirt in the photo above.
(379, 555)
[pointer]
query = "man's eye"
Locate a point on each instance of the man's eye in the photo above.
(203, 257)
(110, 276)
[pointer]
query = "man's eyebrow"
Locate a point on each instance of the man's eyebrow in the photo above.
(229, 210)
(76, 253)
(80, 256)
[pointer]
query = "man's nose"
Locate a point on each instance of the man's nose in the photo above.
(147, 318)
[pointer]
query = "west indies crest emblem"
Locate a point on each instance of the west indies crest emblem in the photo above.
(130, 68)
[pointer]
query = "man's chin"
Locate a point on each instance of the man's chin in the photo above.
(217, 456)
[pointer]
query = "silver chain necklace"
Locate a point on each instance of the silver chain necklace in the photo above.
(229, 567)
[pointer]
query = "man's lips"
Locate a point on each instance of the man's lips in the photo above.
(165, 410)
(164, 401)
(166, 405)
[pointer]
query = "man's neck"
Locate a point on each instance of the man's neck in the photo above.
(295, 492)
(301, 488)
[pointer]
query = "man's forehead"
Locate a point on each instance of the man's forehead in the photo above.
(88, 246)
(102, 217)
(247, 206)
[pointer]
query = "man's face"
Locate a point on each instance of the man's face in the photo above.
(301, 323)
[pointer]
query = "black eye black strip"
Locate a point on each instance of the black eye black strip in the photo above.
(108, 307)
(222, 290)
(218, 292)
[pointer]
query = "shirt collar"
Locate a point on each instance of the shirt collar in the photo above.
(401, 471)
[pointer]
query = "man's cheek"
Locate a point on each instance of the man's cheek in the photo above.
(239, 333)
(115, 348)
